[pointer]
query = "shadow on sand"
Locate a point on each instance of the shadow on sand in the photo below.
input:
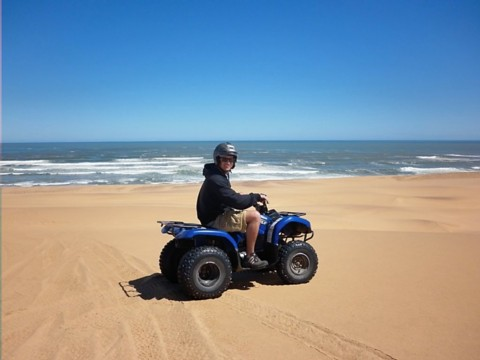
(156, 286)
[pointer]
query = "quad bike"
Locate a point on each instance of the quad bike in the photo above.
(202, 259)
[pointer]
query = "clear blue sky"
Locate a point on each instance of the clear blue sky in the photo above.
(115, 70)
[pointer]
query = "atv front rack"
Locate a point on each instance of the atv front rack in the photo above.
(274, 214)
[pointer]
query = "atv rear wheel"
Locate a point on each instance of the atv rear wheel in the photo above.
(169, 260)
(297, 263)
(205, 272)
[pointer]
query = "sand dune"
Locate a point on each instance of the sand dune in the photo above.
(399, 275)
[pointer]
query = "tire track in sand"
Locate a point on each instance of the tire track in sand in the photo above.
(322, 339)
(77, 285)
(138, 329)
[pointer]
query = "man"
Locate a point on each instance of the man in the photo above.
(221, 207)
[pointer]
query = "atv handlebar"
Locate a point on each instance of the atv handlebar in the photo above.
(261, 206)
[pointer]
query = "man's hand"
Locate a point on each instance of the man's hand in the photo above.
(263, 198)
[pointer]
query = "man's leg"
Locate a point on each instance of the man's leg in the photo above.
(253, 224)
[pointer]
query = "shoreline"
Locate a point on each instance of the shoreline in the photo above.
(234, 181)
(398, 272)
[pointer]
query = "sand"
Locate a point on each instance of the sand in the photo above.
(399, 275)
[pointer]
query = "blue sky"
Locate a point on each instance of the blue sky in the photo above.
(119, 70)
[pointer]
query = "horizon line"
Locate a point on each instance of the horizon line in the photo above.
(231, 140)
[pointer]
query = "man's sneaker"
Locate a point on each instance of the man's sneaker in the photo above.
(254, 262)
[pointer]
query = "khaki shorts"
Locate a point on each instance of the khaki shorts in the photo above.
(231, 221)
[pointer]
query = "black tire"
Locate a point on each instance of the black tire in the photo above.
(298, 262)
(169, 260)
(205, 272)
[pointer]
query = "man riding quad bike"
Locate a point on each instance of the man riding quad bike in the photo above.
(234, 236)
(203, 259)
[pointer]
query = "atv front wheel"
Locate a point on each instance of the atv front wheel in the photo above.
(205, 272)
(297, 263)
(169, 260)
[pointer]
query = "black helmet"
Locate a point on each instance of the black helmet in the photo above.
(225, 149)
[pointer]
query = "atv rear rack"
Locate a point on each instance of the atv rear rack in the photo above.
(292, 213)
(173, 227)
(180, 224)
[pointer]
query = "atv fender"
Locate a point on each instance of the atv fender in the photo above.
(201, 236)
(290, 225)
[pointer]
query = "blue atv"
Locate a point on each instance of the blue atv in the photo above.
(203, 259)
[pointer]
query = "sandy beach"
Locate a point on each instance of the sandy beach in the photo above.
(398, 276)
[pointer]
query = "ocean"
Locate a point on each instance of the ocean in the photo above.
(108, 163)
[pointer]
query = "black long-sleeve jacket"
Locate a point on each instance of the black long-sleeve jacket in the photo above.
(216, 194)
